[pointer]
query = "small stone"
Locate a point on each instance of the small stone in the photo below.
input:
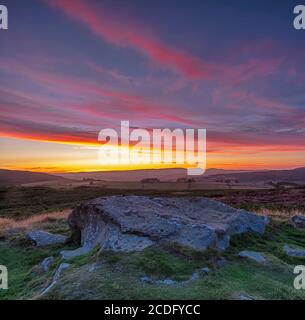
(146, 279)
(243, 297)
(46, 263)
(70, 254)
(167, 282)
(194, 276)
(206, 270)
(298, 221)
(294, 252)
(92, 268)
(42, 238)
(253, 255)
(221, 262)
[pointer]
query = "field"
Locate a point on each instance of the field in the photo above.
(103, 275)
(19, 202)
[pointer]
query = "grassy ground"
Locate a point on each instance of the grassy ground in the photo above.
(106, 275)
(23, 260)
(117, 275)
(23, 274)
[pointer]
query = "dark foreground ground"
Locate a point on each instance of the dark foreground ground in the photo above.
(107, 275)
(19, 202)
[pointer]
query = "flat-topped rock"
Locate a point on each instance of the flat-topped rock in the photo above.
(127, 223)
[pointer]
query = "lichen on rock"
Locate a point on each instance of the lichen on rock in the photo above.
(130, 223)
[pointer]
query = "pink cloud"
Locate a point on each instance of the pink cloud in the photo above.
(132, 35)
(129, 35)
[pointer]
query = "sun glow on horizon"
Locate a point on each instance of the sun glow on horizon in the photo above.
(51, 157)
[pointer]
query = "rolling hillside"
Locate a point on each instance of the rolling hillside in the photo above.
(138, 175)
(294, 175)
(15, 177)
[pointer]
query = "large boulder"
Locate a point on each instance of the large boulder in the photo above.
(127, 223)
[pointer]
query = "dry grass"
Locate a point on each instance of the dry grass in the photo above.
(278, 214)
(27, 223)
(7, 223)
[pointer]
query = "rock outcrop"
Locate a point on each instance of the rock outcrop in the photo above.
(128, 223)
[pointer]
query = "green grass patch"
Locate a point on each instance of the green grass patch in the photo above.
(153, 261)
(272, 241)
(116, 275)
(87, 258)
(23, 277)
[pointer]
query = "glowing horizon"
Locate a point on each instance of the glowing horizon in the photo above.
(87, 160)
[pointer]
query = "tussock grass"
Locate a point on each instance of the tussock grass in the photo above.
(29, 222)
(19, 202)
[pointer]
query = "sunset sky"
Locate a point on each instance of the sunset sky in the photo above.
(69, 68)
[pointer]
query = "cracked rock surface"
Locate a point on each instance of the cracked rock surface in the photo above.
(127, 223)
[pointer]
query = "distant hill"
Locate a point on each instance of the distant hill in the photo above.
(293, 175)
(129, 175)
(14, 177)
(214, 171)
(138, 175)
